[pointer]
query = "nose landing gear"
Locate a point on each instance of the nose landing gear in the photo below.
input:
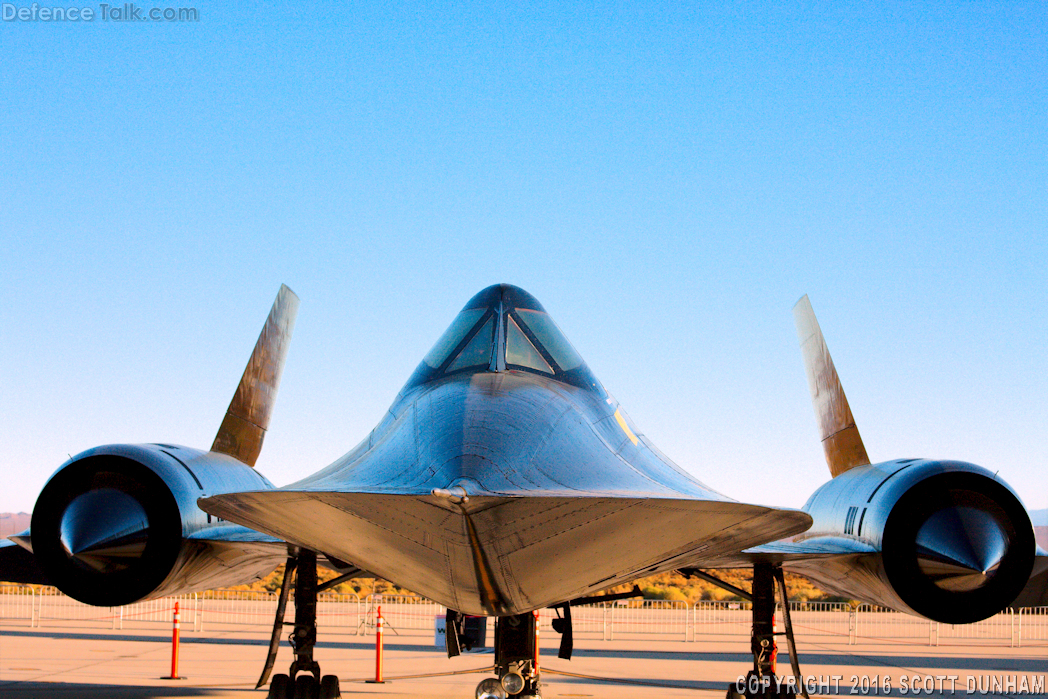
(516, 660)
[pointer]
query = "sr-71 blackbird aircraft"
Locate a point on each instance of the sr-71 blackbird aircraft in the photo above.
(505, 479)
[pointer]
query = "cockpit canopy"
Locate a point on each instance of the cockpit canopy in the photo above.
(504, 328)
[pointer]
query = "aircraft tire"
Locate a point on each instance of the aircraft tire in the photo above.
(279, 687)
(329, 688)
(306, 687)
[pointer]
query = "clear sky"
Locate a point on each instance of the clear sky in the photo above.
(667, 180)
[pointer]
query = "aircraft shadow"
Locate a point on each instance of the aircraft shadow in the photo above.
(70, 689)
(368, 643)
(842, 662)
(841, 659)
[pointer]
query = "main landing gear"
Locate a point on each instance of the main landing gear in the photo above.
(310, 684)
(761, 682)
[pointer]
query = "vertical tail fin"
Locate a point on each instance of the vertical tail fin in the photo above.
(840, 437)
(247, 419)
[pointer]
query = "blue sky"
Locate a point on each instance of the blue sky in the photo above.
(667, 180)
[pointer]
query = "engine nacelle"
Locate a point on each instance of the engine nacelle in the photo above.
(120, 523)
(943, 539)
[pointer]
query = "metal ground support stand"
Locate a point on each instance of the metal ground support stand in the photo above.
(516, 658)
(278, 622)
(303, 638)
(795, 663)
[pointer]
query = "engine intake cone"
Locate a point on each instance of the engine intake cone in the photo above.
(105, 530)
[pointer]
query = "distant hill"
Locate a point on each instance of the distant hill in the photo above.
(1040, 527)
(11, 523)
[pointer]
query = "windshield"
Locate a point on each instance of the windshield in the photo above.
(521, 352)
(549, 336)
(453, 336)
(503, 328)
(477, 352)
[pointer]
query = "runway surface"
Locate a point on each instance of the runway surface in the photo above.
(67, 661)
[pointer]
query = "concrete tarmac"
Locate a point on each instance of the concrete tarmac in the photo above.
(71, 661)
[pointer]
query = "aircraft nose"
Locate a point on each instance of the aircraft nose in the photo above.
(104, 530)
(960, 548)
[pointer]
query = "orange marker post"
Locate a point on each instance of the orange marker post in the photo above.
(378, 648)
(535, 665)
(174, 647)
(774, 655)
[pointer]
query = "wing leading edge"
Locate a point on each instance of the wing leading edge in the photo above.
(507, 555)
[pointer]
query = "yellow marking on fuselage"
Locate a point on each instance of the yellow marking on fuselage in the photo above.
(625, 428)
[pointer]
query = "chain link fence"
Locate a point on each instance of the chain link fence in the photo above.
(35, 607)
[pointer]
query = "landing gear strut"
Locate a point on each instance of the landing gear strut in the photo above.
(516, 659)
(761, 680)
(310, 684)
